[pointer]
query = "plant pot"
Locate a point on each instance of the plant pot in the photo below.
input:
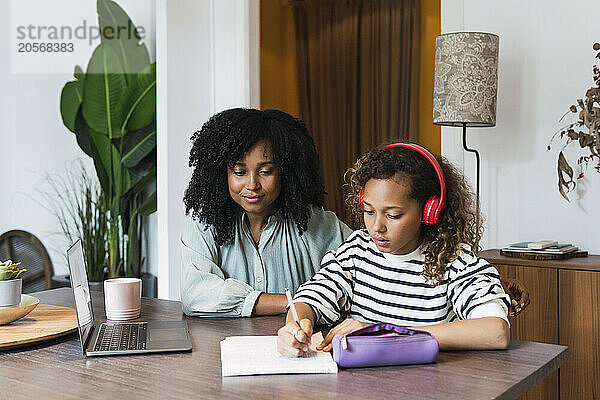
(10, 292)
(64, 281)
(96, 286)
(149, 285)
(58, 281)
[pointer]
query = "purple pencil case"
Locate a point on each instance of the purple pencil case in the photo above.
(384, 344)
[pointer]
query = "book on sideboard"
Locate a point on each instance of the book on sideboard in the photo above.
(560, 248)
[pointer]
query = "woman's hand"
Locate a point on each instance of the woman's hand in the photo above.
(294, 340)
(519, 296)
(347, 326)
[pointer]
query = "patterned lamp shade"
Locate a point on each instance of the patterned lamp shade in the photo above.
(466, 79)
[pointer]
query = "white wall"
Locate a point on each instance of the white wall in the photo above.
(546, 61)
(34, 141)
(207, 57)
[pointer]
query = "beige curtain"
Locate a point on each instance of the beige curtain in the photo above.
(358, 79)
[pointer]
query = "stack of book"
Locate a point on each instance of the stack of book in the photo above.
(541, 247)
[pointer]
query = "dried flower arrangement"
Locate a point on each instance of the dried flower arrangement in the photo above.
(589, 117)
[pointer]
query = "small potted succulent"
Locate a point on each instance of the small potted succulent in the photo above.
(10, 284)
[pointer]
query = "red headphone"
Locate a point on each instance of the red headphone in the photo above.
(434, 206)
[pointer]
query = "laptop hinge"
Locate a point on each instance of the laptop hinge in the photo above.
(88, 339)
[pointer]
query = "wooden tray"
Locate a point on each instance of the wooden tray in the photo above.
(542, 257)
(44, 323)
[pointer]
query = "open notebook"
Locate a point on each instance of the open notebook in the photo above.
(257, 355)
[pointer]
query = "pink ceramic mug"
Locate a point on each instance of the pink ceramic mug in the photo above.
(122, 298)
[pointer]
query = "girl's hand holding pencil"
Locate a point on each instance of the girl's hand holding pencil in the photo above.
(293, 339)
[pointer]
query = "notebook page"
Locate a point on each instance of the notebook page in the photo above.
(257, 355)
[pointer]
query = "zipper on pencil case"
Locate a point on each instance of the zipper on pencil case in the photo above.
(355, 339)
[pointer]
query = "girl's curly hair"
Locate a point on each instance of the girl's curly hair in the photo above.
(224, 139)
(460, 222)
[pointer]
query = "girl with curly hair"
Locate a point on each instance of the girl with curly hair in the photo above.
(413, 265)
(258, 224)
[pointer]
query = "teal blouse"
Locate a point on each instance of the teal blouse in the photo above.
(225, 281)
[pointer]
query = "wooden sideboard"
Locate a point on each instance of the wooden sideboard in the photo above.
(564, 309)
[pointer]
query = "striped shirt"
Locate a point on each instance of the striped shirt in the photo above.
(360, 282)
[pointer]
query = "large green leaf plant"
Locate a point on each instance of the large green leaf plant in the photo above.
(111, 109)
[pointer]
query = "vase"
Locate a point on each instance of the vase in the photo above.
(10, 292)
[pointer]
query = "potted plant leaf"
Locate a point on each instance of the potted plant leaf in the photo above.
(10, 284)
(111, 109)
(77, 202)
(585, 132)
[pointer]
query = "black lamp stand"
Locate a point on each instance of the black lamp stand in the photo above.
(471, 151)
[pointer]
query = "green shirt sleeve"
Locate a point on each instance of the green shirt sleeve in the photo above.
(205, 291)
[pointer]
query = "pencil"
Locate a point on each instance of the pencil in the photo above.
(294, 313)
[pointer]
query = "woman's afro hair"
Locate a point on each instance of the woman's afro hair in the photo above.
(223, 141)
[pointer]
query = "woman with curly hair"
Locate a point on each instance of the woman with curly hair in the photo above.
(258, 224)
(414, 265)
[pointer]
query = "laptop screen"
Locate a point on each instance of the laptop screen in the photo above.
(81, 291)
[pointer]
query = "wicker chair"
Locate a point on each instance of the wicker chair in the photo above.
(24, 247)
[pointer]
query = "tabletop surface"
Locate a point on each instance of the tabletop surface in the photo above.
(58, 369)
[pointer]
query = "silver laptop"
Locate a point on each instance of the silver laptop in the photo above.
(112, 338)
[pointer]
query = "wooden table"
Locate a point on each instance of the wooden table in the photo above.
(58, 369)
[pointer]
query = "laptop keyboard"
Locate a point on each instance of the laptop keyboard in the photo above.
(114, 337)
